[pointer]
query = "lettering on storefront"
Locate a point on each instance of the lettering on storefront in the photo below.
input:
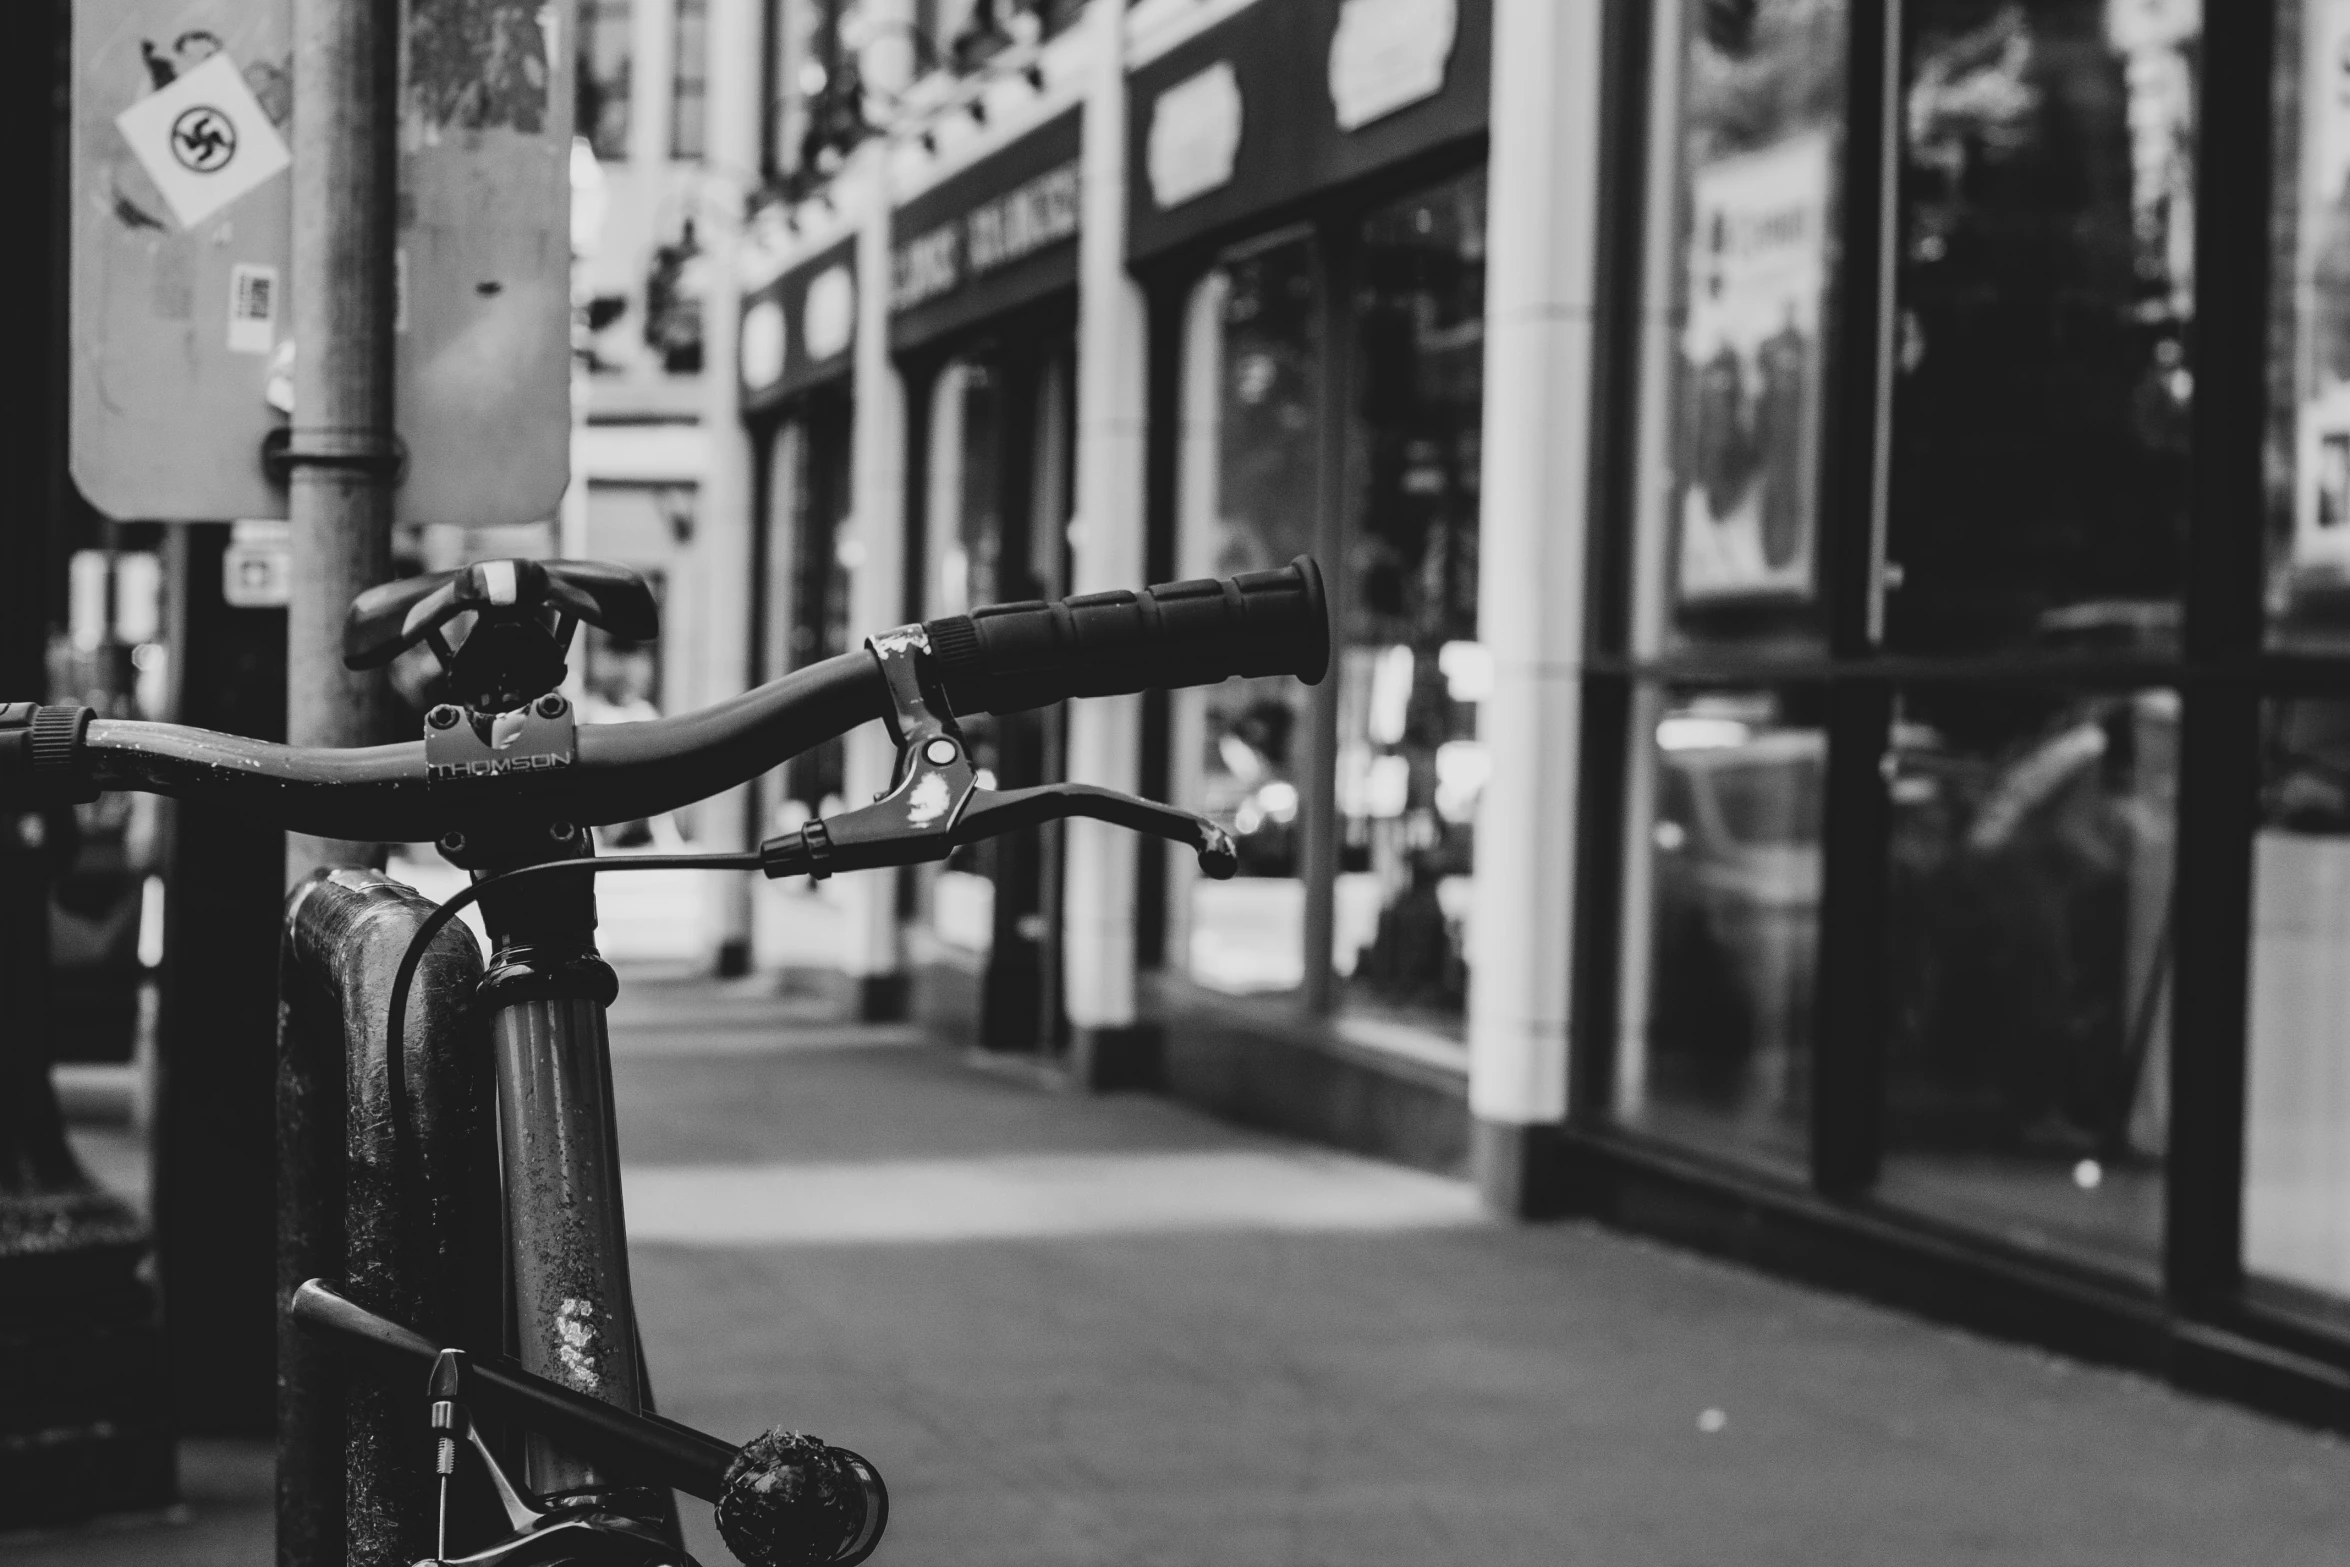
(1014, 226)
(926, 267)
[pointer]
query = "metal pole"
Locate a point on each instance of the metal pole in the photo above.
(343, 454)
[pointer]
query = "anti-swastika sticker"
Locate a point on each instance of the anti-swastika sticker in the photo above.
(204, 140)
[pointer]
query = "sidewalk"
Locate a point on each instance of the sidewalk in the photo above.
(1108, 1332)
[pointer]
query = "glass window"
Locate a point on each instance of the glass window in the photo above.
(689, 81)
(1248, 496)
(2028, 963)
(2045, 284)
(600, 94)
(2309, 367)
(2297, 1096)
(1001, 437)
(824, 551)
(1749, 120)
(1410, 765)
(1722, 915)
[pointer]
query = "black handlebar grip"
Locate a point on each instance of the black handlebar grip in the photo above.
(41, 756)
(1009, 657)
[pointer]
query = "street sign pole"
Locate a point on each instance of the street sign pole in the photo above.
(342, 457)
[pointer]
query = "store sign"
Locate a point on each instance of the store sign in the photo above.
(799, 326)
(765, 340)
(1195, 136)
(1750, 437)
(995, 234)
(1388, 54)
(1279, 102)
(257, 568)
(987, 239)
(828, 316)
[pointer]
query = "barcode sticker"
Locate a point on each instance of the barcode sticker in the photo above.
(252, 308)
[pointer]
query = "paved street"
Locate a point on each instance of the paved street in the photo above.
(1109, 1332)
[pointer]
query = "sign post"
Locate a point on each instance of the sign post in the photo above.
(187, 347)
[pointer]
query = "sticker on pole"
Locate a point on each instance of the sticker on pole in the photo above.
(204, 140)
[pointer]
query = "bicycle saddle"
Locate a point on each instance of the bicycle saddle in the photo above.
(387, 621)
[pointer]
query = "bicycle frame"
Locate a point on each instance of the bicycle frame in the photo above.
(566, 1243)
(384, 1185)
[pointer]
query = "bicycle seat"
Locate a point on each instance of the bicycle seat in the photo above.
(387, 621)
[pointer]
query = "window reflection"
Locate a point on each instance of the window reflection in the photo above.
(600, 89)
(2297, 1093)
(2045, 292)
(824, 552)
(2028, 963)
(689, 80)
(1248, 497)
(1410, 765)
(2309, 369)
(1722, 915)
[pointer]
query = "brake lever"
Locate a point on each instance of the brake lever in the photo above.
(935, 804)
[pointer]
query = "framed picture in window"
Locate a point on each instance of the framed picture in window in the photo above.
(1751, 374)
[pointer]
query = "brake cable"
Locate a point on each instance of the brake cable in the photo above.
(403, 978)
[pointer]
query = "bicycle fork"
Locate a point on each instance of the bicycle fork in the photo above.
(570, 1309)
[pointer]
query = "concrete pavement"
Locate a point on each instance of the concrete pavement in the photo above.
(1109, 1332)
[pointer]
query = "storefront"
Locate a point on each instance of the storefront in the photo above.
(1962, 896)
(983, 314)
(1836, 750)
(1314, 262)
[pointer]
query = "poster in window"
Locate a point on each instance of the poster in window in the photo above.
(2321, 503)
(1751, 373)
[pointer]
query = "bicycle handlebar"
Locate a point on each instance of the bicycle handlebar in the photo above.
(999, 659)
(1010, 657)
(381, 793)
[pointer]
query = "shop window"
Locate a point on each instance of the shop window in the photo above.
(1265, 404)
(600, 101)
(817, 470)
(2028, 963)
(996, 512)
(1410, 765)
(2297, 1092)
(2309, 368)
(1722, 917)
(2042, 336)
(689, 81)
(1250, 454)
(1734, 386)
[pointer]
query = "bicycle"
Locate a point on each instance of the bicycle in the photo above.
(571, 1463)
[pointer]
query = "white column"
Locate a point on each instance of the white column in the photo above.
(871, 948)
(652, 40)
(1105, 734)
(723, 523)
(1539, 266)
